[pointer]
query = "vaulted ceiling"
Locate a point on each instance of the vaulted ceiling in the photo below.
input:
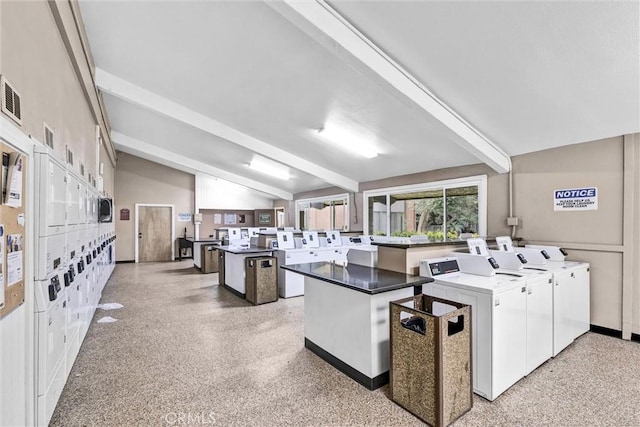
(205, 86)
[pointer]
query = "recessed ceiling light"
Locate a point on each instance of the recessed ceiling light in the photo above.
(270, 168)
(348, 141)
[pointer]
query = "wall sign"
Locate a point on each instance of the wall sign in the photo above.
(576, 199)
(184, 216)
(264, 218)
(124, 214)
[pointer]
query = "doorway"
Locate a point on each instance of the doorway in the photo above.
(154, 233)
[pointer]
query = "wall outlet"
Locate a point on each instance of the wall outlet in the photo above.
(512, 221)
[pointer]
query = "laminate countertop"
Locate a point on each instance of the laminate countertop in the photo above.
(368, 280)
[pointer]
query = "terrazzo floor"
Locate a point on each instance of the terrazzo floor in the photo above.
(185, 351)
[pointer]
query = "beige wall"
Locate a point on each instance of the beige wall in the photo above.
(592, 236)
(289, 211)
(599, 237)
(141, 181)
(34, 59)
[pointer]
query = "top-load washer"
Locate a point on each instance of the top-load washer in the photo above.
(571, 289)
(499, 336)
(361, 251)
(539, 311)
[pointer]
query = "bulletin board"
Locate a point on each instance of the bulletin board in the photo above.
(12, 221)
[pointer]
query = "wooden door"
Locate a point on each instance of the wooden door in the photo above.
(154, 233)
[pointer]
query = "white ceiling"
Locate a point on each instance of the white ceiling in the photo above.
(527, 75)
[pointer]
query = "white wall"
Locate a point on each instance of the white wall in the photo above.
(214, 193)
(17, 393)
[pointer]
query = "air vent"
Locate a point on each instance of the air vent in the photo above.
(48, 136)
(81, 169)
(10, 101)
(69, 156)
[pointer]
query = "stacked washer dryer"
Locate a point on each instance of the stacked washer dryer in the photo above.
(50, 291)
(67, 289)
(571, 289)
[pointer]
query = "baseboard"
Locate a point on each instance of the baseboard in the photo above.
(233, 291)
(125, 262)
(606, 331)
(354, 374)
(635, 337)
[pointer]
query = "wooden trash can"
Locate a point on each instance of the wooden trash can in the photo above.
(220, 267)
(431, 365)
(261, 279)
(209, 258)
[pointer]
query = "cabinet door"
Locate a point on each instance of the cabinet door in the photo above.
(539, 322)
(509, 339)
(563, 330)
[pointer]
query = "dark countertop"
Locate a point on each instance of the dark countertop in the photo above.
(461, 243)
(421, 244)
(250, 250)
(208, 240)
(357, 277)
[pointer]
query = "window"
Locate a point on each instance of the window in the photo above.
(323, 213)
(443, 210)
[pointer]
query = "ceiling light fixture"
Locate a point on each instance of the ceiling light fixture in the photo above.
(348, 141)
(270, 168)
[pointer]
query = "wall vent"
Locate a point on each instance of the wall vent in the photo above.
(48, 136)
(10, 101)
(69, 156)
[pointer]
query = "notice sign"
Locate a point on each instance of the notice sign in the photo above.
(576, 199)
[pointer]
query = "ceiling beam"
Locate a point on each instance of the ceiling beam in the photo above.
(168, 158)
(331, 30)
(129, 92)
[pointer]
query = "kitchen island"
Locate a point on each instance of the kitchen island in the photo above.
(346, 316)
(234, 268)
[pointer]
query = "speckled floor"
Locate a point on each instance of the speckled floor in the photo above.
(186, 352)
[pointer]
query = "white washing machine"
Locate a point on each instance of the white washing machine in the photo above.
(571, 289)
(539, 300)
(361, 251)
(499, 322)
(304, 250)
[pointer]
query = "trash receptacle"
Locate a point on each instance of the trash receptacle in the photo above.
(209, 258)
(430, 366)
(261, 279)
(220, 267)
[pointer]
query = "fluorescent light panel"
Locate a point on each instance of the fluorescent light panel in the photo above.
(348, 141)
(269, 168)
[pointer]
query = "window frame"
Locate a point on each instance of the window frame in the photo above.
(343, 197)
(477, 180)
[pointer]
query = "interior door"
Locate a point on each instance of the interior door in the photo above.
(154, 233)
